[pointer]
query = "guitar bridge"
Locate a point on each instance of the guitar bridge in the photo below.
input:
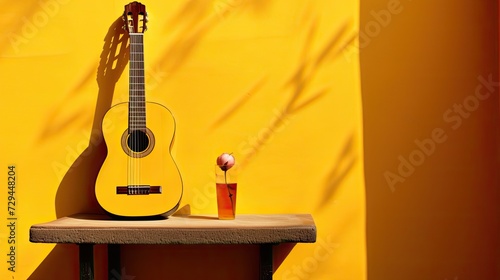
(138, 190)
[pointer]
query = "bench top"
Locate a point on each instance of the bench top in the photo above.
(183, 229)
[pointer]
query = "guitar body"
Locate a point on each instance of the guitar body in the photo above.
(139, 177)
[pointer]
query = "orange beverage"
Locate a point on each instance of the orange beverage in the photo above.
(226, 200)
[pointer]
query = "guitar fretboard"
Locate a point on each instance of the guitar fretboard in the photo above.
(137, 98)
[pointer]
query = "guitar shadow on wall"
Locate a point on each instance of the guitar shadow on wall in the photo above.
(75, 193)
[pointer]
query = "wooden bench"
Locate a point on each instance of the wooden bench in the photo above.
(86, 230)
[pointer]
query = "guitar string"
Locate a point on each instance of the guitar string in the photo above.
(136, 111)
(140, 104)
(131, 116)
(131, 112)
(139, 109)
(135, 117)
(137, 120)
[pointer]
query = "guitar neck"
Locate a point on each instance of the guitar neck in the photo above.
(137, 91)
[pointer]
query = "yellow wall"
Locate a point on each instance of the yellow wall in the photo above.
(269, 81)
(431, 138)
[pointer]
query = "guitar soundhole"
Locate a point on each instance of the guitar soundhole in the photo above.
(138, 141)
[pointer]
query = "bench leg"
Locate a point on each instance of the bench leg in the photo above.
(86, 254)
(114, 271)
(266, 262)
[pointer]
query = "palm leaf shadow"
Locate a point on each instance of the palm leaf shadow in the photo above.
(244, 97)
(194, 23)
(308, 68)
(343, 166)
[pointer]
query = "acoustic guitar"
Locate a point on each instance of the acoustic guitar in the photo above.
(139, 177)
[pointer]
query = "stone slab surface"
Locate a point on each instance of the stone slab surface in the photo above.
(188, 229)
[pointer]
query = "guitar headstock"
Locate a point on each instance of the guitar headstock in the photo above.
(135, 17)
